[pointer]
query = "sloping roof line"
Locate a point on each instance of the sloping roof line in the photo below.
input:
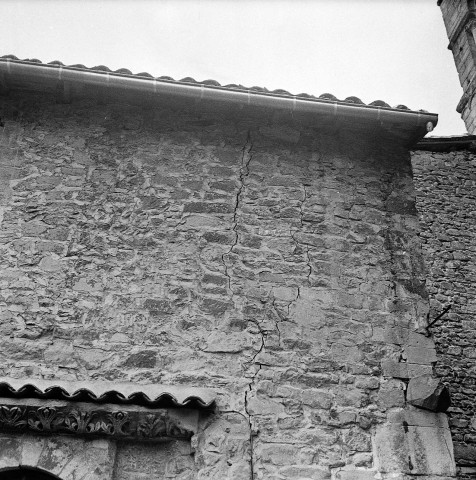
(152, 396)
(124, 72)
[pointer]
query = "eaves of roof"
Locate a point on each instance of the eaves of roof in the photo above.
(447, 144)
(152, 396)
(33, 74)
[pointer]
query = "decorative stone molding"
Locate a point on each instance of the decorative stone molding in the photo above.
(460, 27)
(462, 102)
(83, 419)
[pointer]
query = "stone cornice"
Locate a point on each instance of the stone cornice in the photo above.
(462, 24)
(83, 419)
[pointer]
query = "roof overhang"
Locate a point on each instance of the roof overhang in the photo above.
(72, 82)
(152, 396)
(106, 409)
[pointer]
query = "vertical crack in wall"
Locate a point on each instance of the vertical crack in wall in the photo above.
(248, 414)
(301, 220)
(301, 245)
(246, 157)
(249, 390)
(280, 318)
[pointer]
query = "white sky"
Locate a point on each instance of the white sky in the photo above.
(391, 50)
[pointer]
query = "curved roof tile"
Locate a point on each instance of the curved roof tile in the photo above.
(355, 100)
(379, 103)
(124, 71)
(152, 396)
(211, 83)
(102, 68)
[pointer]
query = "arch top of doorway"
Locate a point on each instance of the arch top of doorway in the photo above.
(57, 458)
(26, 473)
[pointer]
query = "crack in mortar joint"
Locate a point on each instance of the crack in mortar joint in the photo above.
(250, 425)
(298, 244)
(301, 219)
(276, 322)
(246, 157)
(244, 172)
(296, 241)
(249, 390)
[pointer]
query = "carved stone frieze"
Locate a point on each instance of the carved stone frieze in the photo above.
(69, 419)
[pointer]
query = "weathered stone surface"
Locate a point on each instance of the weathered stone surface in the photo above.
(429, 393)
(355, 475)
(420, 355)
(417, 450)
(446, 202)
(274, 262)
(222, 449)
(10, 451)
(391, 394)
(305, 472)
(65, 457)
(392, 368)
(417, 417)
(172, 460)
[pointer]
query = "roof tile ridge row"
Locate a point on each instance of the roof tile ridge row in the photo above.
(57, 390)
(124, 72)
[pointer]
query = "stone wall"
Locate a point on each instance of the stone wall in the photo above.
(271, 261)
(446, 201)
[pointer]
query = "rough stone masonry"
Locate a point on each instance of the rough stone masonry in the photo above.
(275, 262)
(446, 201)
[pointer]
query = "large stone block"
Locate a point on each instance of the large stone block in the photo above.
(421, 355)
(417, 450)
(277, 453)
(427, 392)
(392, 368)
(357, 474)
(307, 472)
(391, 394)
